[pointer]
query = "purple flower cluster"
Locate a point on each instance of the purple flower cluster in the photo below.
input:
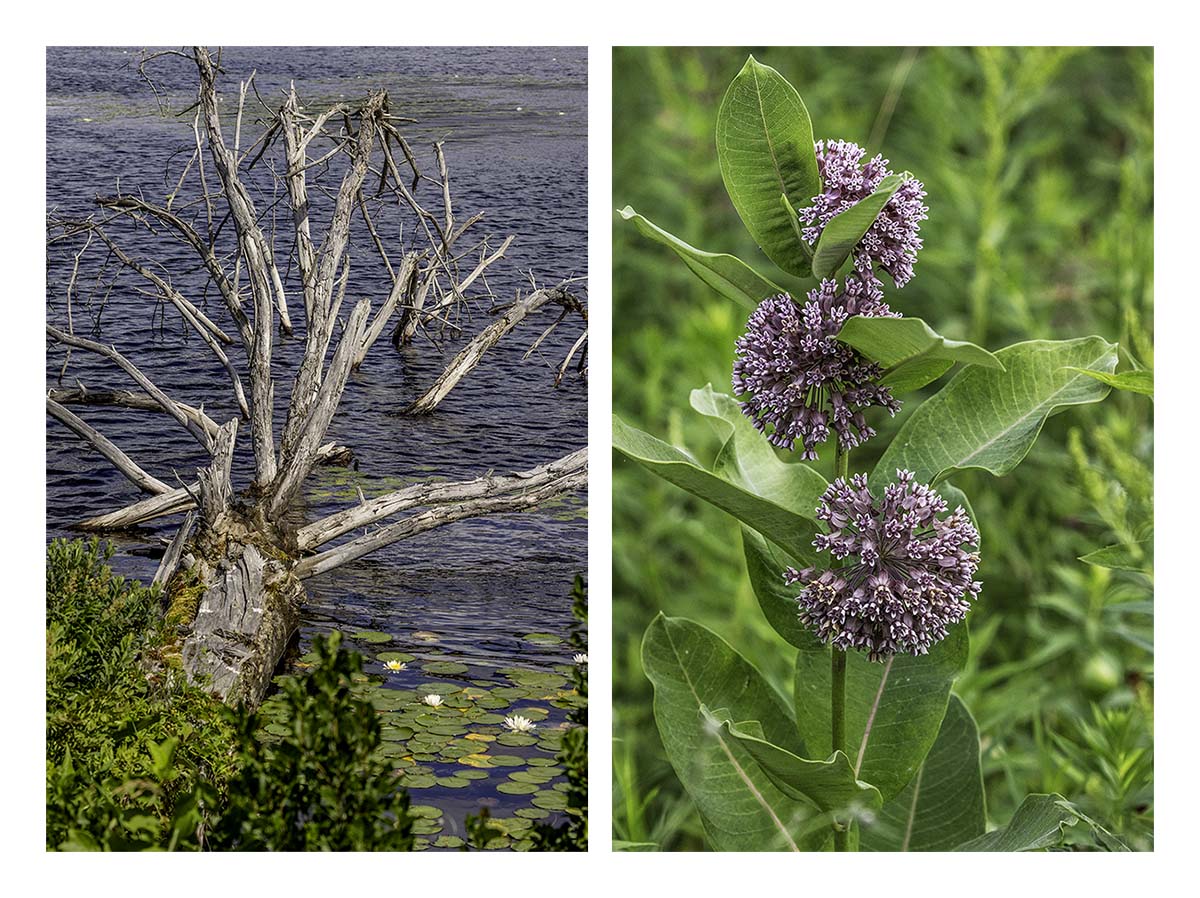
(909, 577)
(892, 241)
(799, 379)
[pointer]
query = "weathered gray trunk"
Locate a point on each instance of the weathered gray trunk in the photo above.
(247, 613)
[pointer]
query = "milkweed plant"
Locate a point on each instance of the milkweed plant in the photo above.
(870, 577)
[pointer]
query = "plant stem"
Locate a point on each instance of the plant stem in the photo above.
(837, 693)
(841, 835)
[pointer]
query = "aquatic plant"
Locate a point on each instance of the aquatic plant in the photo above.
(876, 752)
(518, 724)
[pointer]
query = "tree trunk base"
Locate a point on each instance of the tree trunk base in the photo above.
(247, 612)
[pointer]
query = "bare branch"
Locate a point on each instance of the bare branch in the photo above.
(401, 284)
(182, 499)
(174, 554)
(119, 459)
(438, 517)
(473, 352)
(259, 264)
(371, 512)
(297, 465)
(129, 399)
(216, 487)
(167, 403)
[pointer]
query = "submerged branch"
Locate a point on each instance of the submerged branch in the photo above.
(437, 517)
(370, 512)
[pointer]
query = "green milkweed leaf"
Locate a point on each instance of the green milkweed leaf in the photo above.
(1139, 381)
(894, 708)
(728, 275)
(988, 418)
(942, 805)
(844, 230)
(692, 668)
(764, 149)
(830, 784)
(910, 352)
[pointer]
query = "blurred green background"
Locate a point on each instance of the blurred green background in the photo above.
(1038, 165)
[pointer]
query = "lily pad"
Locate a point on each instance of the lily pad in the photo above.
(550, 800)
(543, 638)
(373, 637)
(517, 788)
(453, 782)
(515, 739)
(418, 780)
(508, 761)
(530, 776)
(396, 734)
(448, 842)
(478, 760)
(443, 667)
(424, 811)
(532, 813)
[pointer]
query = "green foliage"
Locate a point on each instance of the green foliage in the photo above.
(1040, 247)
(692, 669)
(728, 275)
(911, 353)
(139, 760)
(943, 804)
(134, 757)
(987, 418)
(846, 228)
(572, 836)
(765, 149)
(763, 512)
(320, 788)
(893, 708)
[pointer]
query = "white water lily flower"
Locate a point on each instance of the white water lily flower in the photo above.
(432, 700)
(581, 659)
(519, 724)
(395, 665)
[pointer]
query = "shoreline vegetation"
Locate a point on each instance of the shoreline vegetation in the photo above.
(139, 759)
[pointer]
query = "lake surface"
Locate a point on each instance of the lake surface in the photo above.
(514, 121)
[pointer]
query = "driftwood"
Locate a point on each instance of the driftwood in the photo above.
(233, 571)
(472, 354)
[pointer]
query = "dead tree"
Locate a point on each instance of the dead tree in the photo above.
(233, 571)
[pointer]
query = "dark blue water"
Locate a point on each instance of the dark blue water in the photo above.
(514, 123)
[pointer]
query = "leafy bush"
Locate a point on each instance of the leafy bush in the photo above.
(318, 788)
(129, 746)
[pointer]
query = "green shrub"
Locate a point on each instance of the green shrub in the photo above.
(129, 746)
(318, 788)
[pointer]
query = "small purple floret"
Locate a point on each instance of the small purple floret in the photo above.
(799, 381)
(909, 576)
(893, 241)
